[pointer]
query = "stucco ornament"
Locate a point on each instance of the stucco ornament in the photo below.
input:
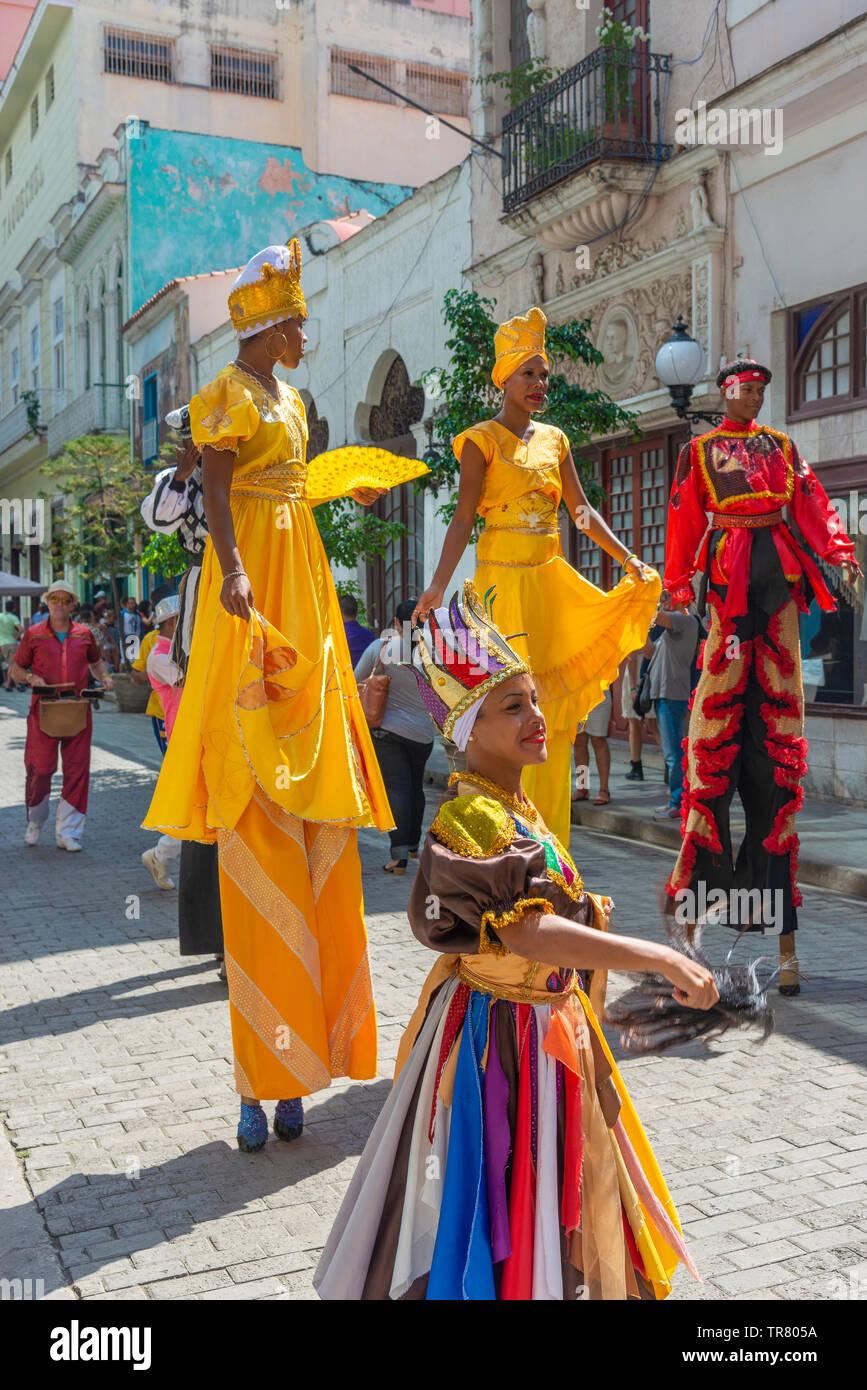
(617, 340)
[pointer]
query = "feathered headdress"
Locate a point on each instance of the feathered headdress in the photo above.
(459, 658)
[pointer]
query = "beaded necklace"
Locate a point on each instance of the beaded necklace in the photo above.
(525, 809)
(559, 864)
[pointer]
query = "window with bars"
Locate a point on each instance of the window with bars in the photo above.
(620, 498)
(49, 87)
(441, 91)
(8, 166)
(653, 508)
(244, 72)
(15, 364)
(139, 55)
(34, 116)
(588, 556)
(633, 480)
(827, 353)
(435, 88)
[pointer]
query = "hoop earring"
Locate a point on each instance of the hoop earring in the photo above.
(277, 355)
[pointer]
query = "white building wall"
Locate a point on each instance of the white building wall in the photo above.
(377, 296)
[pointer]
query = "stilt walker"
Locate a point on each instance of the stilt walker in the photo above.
(747, 720)
(514, 472)
(271, 756)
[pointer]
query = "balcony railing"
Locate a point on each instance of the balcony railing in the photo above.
(607, 106)
(102, 408)
(13, 426)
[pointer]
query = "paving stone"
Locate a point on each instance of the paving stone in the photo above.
(117, 1053)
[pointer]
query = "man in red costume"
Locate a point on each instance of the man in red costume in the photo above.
(57, 652)
(747, 722)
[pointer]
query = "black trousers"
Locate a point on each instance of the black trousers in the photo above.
(200, 923)
(402, 763)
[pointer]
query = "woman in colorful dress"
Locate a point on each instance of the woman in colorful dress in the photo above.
(508, 1161)
(515, 471)
(271, 756)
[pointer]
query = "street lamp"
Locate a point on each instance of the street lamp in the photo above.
(680, 365)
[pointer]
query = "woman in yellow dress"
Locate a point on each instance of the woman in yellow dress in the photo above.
(271, 755)
(514, 472)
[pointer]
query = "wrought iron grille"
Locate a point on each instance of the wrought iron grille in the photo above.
(133, 54)
(606, 106)
(247, 73)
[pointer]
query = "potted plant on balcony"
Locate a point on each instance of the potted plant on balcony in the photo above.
(617, 40)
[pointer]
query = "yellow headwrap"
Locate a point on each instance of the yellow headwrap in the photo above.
(516, 341)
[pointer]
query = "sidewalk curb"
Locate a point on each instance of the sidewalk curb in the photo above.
(818, 873)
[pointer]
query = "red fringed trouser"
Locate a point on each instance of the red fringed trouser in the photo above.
(745, 735)
(40, 763)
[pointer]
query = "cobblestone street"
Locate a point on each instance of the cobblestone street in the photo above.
(117, 1089)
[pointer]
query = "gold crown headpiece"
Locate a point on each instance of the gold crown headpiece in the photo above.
(268, 289)
(459, 658)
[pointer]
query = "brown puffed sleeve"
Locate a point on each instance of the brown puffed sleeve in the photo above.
(456, 900)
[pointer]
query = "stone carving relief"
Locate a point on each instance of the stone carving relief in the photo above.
(698, 206)
(616, 256)
(647, 312)
(701, 304)
(617, 340)
(536, 29)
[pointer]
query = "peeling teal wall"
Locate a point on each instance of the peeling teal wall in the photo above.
(203, 202)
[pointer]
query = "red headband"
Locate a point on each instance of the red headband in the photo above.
(751, 375)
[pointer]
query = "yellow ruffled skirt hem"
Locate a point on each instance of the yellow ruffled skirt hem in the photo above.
(574, 635)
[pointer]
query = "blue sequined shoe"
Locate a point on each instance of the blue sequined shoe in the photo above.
(288, 1119)
(252, 1129)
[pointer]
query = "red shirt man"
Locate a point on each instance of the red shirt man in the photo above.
(57, 651)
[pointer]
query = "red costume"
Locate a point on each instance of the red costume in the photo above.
(746, 727)
(43, 653)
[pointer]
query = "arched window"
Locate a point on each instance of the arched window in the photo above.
(828, 354)
(399, 572)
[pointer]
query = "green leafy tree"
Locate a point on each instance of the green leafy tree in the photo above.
(464, 393)
(163, 554)
(101, 526)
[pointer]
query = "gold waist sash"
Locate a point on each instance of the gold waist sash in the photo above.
(533, 515)
(512, 977)
(283, 481)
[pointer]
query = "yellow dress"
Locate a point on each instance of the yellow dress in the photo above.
(574, 635)
(271, 757)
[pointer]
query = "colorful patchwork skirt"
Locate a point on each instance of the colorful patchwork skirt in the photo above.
(507, 1163)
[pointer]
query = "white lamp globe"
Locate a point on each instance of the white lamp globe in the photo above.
(681, 360)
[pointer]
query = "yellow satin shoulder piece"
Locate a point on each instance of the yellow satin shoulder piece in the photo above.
(475, 826)
(223, 411)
